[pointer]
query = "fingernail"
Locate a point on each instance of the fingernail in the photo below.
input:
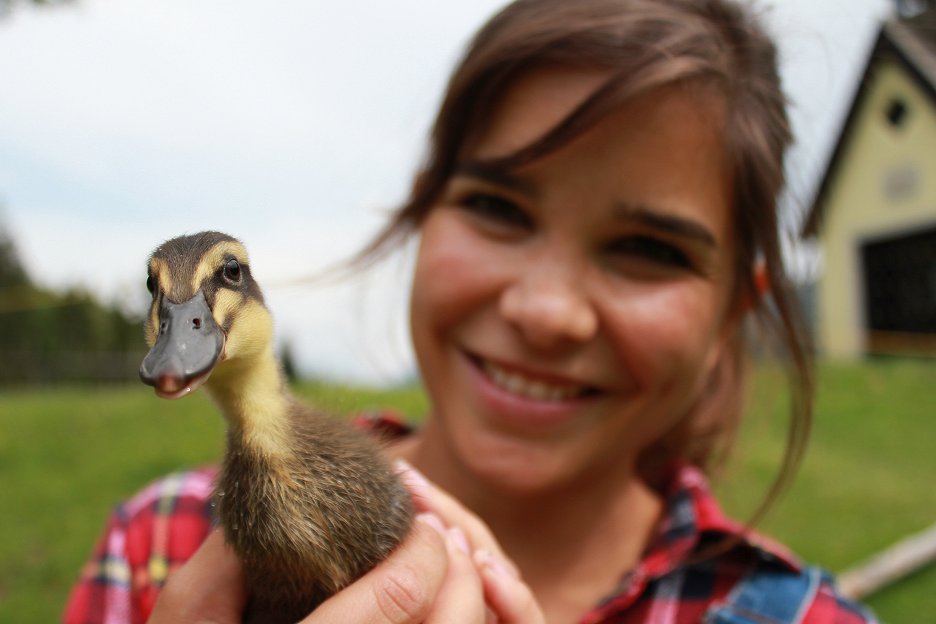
(412, 477)
(459, 539)
(434, 521)
(489, 561)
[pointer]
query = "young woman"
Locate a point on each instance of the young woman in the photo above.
(597, 220)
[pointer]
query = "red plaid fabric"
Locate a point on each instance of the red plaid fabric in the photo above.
(698, 558)
(146, 538)
(686, 571)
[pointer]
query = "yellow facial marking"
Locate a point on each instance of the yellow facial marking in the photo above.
(226, 305)
(251, 328)
(159, 271)
(214, 259)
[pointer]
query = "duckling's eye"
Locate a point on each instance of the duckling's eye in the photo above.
(232, 271)
(150, 284)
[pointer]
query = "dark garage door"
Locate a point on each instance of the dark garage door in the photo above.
(900, 292)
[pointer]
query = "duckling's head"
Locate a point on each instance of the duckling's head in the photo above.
(207, 313)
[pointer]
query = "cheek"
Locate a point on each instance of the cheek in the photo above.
(454, 276)
(667, 335)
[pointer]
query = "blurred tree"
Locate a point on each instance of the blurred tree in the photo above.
(12, 273)
(7, 6)
(48, 336)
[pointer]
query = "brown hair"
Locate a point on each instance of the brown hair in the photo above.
(646, 44)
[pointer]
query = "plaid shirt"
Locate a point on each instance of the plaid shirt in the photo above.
(157, 530)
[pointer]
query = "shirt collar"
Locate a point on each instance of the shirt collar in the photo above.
(693, 520)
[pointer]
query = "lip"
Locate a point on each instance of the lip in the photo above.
(524, 412)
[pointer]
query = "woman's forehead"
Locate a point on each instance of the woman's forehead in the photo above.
(535, 103)
(540, 100)
(664, 148)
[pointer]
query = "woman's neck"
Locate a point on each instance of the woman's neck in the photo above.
(575, 549)
(572, 543)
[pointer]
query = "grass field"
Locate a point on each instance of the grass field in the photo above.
(67, 455)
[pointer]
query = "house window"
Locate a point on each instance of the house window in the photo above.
(896, 112)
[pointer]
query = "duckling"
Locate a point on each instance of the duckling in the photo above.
(306, 501)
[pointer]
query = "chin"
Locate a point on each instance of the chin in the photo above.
(518, 467)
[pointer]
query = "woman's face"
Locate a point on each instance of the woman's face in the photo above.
(567, 313)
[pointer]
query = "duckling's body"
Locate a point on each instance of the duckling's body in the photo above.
(307, 502)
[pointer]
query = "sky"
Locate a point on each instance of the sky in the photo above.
(294, 126)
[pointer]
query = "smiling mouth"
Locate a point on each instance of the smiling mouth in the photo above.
(537, 389)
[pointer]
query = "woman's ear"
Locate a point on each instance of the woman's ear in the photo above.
(761, 282)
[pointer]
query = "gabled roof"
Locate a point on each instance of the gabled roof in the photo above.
(912, 43)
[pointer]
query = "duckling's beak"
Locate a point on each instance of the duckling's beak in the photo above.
(187, 347)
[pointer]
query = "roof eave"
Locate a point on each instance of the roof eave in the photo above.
(896, 42)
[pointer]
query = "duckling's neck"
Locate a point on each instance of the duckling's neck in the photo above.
(252, 395)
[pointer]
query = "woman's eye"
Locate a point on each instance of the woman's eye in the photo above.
(653, 250)
(232, 271)
(496, 208)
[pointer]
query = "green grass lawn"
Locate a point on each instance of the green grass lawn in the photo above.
(67, 455)
(867, 480)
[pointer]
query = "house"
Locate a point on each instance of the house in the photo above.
(875, 210)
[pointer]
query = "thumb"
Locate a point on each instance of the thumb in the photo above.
(400, 590)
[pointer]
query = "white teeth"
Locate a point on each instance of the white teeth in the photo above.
(539, 390)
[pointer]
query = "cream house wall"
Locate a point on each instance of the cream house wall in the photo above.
(885, 184)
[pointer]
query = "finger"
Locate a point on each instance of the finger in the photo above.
(461, 598)
(428, 497)
(401, 589)
(208, 589)
(511, 600)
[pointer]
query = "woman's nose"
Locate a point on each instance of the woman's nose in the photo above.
(549, 309)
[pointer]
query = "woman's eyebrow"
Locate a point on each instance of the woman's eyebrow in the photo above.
(672, 224)
(657, 219)
(494, 175)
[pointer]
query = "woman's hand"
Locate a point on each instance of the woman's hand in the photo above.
(429, 579)
(449, 569)
(509, 600)
(407, 588)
